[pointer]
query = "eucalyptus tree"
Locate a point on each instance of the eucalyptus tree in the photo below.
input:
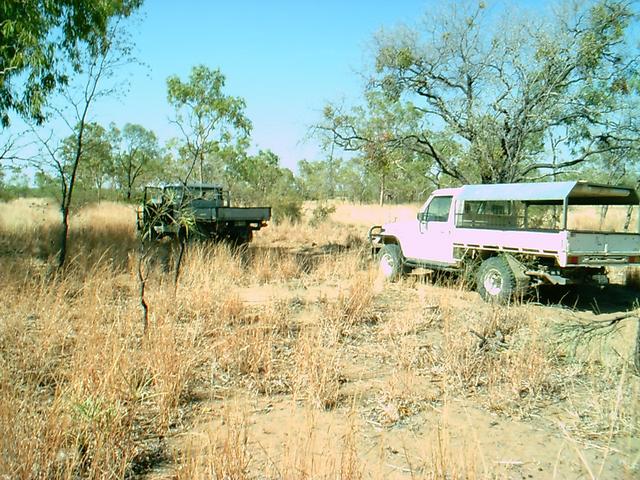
(39, 39)
(491, 93)
(319, 179)
(374, 131)
(96, 67)
(137, 154)
(97, 167)
(207, 118)
(498, 91)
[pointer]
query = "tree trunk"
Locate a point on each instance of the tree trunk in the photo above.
(62, 254)
(178, 265)
(67, 190)
(603, 214)
(67, 193)
(628, 219)
(142, 283)
(129, 180)
(636, 355)
(66, 202)
(201, 168)
(332, 187)
(383, 178)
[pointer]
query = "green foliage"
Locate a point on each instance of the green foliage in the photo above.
(352, 180)
(479, 99)
(320, 214)
(373, 131)
(260, 180)
(97, 165)
(319, 180)
(286, 209)
(14, 187)
(37, 35)
(257, 176)
(113, 164)
(136, 157)
(208, 119)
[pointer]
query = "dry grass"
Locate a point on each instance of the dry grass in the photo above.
(367, 215)
(218, 453)
(595, 218)
(341, 376)
(27, 212)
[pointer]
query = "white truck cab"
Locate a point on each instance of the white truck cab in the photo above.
(520, 235)
(433, 226)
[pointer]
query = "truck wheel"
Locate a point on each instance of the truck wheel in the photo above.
(240, 236)
(245, 236)
(390, 262)
(495, 280)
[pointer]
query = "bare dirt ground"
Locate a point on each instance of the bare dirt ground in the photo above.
(391, 415)
(292, 359)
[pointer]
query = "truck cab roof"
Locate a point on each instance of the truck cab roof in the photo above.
(189, 186)
(444, 192)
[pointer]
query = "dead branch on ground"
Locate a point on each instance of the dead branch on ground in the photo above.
(585, 329)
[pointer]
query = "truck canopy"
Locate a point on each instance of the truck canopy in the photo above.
(189, 186)
(551, 193)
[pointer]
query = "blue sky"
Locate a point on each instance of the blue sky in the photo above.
(285, 58)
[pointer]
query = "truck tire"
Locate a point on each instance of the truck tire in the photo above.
(390, 262)
(240, 236)
(495, 280)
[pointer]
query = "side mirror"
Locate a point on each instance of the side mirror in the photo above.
(422, 216)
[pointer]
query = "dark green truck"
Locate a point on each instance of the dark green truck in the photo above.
(197, 210)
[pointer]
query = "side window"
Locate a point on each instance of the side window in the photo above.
(439, 209)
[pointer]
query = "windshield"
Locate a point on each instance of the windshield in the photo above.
(439, 209)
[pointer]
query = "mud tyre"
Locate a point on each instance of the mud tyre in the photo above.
(495, 281)
(239, 237)
(390, 262)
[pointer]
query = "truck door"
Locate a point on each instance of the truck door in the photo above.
(434, 232)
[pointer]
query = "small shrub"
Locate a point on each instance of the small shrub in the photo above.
(286, 209)
(317, 373)
(320, 214)
(350, 312)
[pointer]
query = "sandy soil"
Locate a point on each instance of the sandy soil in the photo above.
(396, 423)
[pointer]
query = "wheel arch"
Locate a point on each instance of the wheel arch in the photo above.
(390, 240)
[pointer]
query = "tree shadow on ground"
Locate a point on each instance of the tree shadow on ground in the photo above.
(589, 298)
(612, 298)
(306, 257)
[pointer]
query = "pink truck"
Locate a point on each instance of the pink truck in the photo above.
(516, 236)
